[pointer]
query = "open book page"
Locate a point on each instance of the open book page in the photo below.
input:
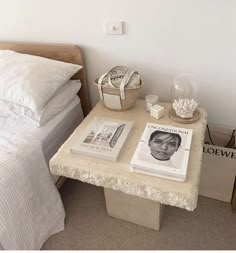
(106, 134)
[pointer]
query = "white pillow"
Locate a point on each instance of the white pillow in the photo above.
(54, 106)
(31, 80)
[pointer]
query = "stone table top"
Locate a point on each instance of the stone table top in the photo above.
(117, 175)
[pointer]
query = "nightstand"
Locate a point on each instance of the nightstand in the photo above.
(131, 196)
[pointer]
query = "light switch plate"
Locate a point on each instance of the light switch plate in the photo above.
(113, 27)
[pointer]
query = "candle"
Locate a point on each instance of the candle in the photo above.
(151, 100)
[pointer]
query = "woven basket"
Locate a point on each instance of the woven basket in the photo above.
(131, 95)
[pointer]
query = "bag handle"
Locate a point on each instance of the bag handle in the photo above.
(229, 142)
(125, 82)
(109, 73)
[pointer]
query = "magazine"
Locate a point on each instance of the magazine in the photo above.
(103, 138)
(163, 151)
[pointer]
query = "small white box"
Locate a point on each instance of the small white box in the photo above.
(157, 111)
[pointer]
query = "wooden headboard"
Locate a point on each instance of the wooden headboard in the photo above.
(66, 53)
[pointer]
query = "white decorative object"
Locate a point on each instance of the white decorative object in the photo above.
(151, 100)
(184, 98)
(157, 111)
(185, 107)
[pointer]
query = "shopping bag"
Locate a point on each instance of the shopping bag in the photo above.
(218, 164)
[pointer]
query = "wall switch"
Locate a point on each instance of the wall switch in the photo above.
(113, 27)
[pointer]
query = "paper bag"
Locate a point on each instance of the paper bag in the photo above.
(218, 164)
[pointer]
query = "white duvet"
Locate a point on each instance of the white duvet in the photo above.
(30, 206)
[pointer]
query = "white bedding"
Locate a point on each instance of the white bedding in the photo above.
(53, 134)
(31, 209)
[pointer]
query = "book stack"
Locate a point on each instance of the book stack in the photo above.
(163, 151)
(103, 138)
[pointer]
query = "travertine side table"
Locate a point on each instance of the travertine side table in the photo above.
(131, 196)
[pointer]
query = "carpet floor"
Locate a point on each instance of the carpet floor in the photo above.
(212, 226)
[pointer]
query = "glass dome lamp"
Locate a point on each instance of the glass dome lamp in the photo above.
(184, 96)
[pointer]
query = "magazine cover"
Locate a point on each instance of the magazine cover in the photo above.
(103, 138)
(163, 151)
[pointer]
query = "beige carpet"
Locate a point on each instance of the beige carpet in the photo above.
(87, 226)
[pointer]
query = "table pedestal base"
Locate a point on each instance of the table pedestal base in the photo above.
(144, 212)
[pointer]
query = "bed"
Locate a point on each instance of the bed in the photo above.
(31, 209)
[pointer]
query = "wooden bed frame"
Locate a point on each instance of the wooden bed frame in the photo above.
(66, 53)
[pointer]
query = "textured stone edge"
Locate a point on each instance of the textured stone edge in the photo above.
(128, 187)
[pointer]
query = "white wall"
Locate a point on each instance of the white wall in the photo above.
(162, 39)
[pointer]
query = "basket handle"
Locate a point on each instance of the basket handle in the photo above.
(109, 74)
(100, 82)
(125, 82)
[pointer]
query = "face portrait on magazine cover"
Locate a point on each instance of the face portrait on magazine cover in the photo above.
(163, 144)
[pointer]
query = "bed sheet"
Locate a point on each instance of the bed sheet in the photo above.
(31, 208)
(54, 134)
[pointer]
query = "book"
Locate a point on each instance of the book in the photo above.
(103, 138)
(163, 151)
